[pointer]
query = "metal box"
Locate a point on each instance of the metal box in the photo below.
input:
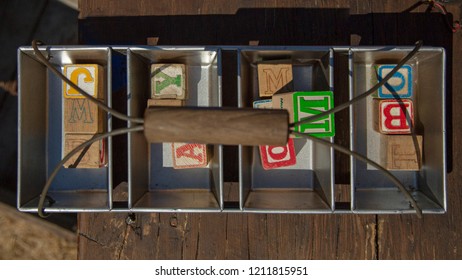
(153, 186)
(156, 187)
(40, 134)
(371, 191)
(306, 187)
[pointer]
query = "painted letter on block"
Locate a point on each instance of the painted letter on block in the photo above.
(278, 156)
(168, 81)
(395, 117)
(401, 152)
(400, 83)
(82, 116)
(88, 77)
(187, 155)
(93, 157)
(273, 78)
(304, 104)
(275, 156)
(308, 104)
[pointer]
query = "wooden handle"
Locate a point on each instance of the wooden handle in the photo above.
(227, 126)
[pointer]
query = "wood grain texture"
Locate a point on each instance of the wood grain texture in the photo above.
(165, 102)
(216, 126)
(225, 236)
(82, 116)
(400, 152)
(273, 78)
(90, 158)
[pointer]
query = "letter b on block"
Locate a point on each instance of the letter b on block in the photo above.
(395, 117)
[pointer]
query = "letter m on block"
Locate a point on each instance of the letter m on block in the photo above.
(276, 79)
(81, 111)
(309, 104)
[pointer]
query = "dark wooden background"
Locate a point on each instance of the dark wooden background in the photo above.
(273, 236)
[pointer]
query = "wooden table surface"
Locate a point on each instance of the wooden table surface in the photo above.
(274, 236)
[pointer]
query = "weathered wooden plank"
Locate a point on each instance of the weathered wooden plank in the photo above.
(104, 8)
(101, 235)
(237, 239)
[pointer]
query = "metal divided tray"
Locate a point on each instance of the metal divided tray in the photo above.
(153, 182)
(155, 186)
(307, 186)
(371, 191)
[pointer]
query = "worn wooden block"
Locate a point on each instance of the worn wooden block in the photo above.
(393, 117)
(401, 83)
(186, 155)
(274, 78)
(168, 81)
(94, 157)
(275, 156)
(165, 102)
(400, 152)
(278, 156)
(302, 105)
(79, 114)
(82, 116)
(89, 77)
(263, 104)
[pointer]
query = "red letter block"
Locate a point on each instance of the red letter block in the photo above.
(395, 117)
(187, 155)
(278, 156)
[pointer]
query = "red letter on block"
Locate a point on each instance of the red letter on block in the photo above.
(393, 118)
(189, 155)
(278, 156)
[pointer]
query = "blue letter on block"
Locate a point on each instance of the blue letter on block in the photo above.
(400, 83)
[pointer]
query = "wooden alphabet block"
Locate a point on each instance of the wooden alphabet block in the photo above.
(302, 105)
(274, 78)
(89, 77)
(398, 152)
(401, 83)
(82, 116)
(168, 81)
(275, 156)
(186, 155)
(94, 157)
(278, 156)
(165, 102)
(393, 117)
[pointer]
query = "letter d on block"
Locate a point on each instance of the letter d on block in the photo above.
(278, 156)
